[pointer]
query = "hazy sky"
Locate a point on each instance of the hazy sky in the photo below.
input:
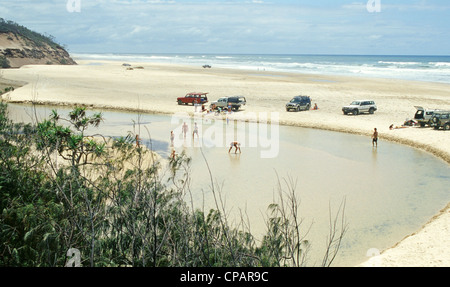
(417, 27)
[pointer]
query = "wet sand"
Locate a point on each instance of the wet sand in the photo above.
(155, 87)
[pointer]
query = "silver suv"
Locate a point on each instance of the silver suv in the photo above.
(358, 107)
(235, 103)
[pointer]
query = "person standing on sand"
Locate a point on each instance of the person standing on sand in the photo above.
(375, 138)
(172, 137)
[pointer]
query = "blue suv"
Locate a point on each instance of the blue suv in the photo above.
(299, 103)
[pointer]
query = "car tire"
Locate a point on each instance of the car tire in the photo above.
(447, 126)
(371, 111)
(356, 112)
(298, 109)
(180, 102)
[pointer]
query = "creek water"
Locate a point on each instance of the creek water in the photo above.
(389, 191)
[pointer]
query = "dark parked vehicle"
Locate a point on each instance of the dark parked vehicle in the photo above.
(299, 103)
(441, 120)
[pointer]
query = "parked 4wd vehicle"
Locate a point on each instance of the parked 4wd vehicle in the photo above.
(358, 107)
(423, 116)
(235, 102)
(299, 103)
(193, 98)
(441, 120)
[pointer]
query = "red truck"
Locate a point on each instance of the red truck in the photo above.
(193, 98)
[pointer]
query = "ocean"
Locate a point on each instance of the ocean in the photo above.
(416, 68)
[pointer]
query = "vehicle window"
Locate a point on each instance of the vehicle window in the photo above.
(355, 103)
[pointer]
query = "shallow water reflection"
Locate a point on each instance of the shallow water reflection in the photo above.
(390, 191)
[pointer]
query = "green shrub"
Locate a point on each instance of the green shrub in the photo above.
(4, 62)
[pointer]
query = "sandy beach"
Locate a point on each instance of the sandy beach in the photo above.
(155, 87)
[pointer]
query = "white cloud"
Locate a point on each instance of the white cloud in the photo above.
(233, 26)
(137, 29)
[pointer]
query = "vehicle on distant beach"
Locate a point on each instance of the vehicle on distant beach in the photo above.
(193, 98)
(235, 103)
(358, 107)
(206, 66)
(441, 120)
(299, 103)
(423, 116)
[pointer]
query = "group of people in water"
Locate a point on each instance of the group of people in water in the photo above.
(234, 144)
(185, 129)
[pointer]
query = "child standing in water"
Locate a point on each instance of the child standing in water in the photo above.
(236, 145)
(195, 130)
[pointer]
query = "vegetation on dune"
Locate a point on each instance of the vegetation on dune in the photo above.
(39, 39)
(4, 62)
(118, 206)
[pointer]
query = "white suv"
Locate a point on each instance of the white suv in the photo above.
(358, 107)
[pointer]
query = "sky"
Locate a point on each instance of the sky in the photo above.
(367, 27)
